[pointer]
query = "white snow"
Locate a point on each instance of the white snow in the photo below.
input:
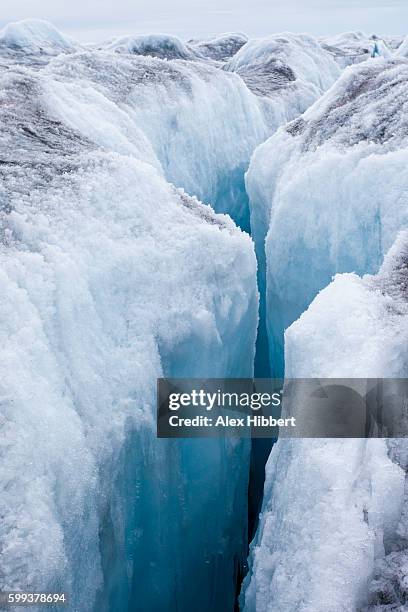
(368, 323)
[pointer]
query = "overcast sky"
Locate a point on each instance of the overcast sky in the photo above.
(98, 19)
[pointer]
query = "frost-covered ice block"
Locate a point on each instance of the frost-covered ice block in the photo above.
(110, 278)
(333, 528)
(328, 191)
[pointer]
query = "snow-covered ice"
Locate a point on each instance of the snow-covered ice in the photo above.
(111, 277)
(332, 534)
(329, 190)
(114, 273)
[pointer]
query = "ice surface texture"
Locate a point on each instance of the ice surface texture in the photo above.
(111, 276)
(328, 192)
(333, 532)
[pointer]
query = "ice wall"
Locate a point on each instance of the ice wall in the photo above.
(328, 191)
(111, 277)
(184, 109)
(333, 526)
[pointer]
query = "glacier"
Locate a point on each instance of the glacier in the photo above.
(132, 173)
(328, 191)
(107, 153)
(402, 49)
(332, 532)
(91, 500)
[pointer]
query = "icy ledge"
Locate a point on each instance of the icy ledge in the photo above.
(333, 528)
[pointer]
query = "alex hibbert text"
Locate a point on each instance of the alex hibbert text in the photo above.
(226, 421)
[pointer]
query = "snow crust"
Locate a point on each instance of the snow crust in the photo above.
(332, 532)
(34, 36)
(112, 276)
(328, 191)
